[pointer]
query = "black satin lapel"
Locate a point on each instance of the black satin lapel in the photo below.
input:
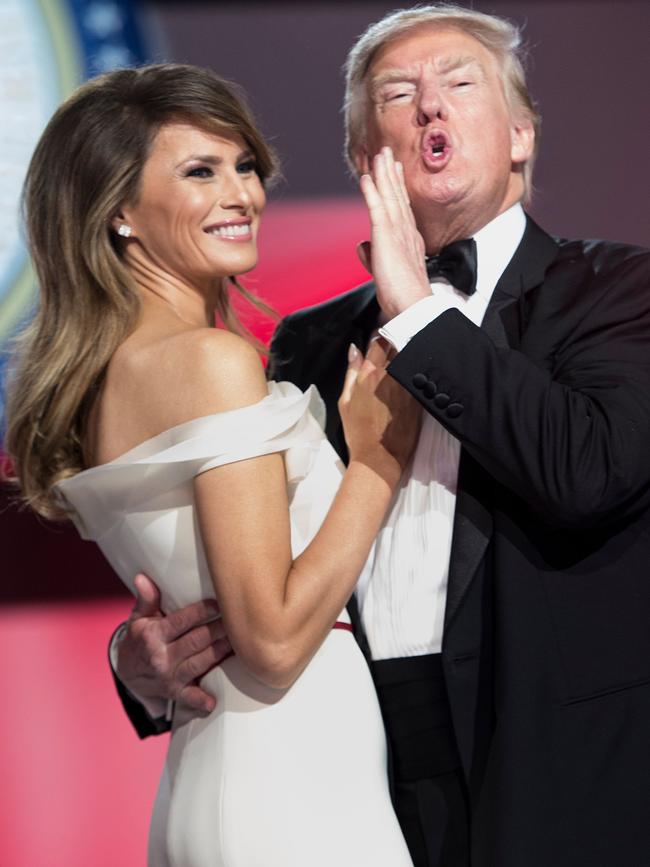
(505, 319)
(335, 340)
(472, 532)
(503, 322)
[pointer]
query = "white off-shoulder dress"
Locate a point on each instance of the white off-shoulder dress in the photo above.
(272, 778)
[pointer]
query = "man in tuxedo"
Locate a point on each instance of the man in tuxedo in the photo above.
(505, 609)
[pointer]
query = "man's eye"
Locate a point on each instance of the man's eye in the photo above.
(462, 83)
(396, 95)
(246, 167)
(200, 172)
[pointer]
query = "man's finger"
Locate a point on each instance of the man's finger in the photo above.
(196, 699)
(193, 668)
(374, 201)
(400, 189)
(386, 183)
(195, 641)
(179, 622)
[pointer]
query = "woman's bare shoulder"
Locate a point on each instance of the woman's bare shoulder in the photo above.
(190, 373)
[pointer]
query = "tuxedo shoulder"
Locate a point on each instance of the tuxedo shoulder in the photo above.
(341, 307)
(604, 256)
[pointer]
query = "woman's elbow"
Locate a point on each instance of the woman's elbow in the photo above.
(275, 663)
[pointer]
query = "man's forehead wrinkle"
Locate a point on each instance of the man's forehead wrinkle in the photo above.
(443, 65)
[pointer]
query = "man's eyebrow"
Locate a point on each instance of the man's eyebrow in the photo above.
(451, 64)
(444, 65)
(391, 75)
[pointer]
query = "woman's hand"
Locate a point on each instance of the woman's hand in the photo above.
(380, 419)
(395, 255)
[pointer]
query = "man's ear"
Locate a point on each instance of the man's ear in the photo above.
(361, 161)
(522, 141)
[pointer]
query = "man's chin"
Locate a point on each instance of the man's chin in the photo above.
(440, 192)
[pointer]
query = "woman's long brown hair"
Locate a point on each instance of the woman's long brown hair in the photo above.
(86, 165)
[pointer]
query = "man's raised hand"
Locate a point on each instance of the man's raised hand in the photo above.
(395, 254)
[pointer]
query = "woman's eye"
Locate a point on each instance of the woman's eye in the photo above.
(246, 167)
(200, 172)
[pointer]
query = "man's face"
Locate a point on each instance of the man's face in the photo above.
(435, 96)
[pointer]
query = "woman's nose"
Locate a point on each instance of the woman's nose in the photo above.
(235, 194)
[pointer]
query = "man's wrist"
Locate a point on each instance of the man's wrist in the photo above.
(403, 327)
(156, 708)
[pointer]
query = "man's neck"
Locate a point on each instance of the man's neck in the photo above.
(440, 229)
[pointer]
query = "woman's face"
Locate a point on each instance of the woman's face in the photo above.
(199, 206)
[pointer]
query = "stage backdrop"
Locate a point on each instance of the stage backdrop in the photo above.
(77, 784)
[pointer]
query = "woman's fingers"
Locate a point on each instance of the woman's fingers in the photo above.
(355, 361)
(365, 370)
(378, 352)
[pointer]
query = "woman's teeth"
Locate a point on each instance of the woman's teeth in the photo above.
(231, 231)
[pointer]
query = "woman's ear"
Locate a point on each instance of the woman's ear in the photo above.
(121, 226)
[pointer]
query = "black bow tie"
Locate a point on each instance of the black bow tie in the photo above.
(457, 263)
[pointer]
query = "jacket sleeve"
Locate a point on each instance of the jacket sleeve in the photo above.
(144, 724)
(565, 427)
(282, 352)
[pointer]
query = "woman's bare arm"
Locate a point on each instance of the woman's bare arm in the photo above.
(278, 612)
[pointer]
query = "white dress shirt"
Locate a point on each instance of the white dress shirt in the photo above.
(402, 589)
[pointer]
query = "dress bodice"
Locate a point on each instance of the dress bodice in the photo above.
(139, 508)
(258, 780)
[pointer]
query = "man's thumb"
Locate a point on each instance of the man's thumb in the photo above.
(147, 597)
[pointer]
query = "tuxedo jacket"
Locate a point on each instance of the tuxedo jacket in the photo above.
(546, 646)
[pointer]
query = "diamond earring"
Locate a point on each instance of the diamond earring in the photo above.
(124, 231)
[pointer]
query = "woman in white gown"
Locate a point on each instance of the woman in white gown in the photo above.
(158, 434)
